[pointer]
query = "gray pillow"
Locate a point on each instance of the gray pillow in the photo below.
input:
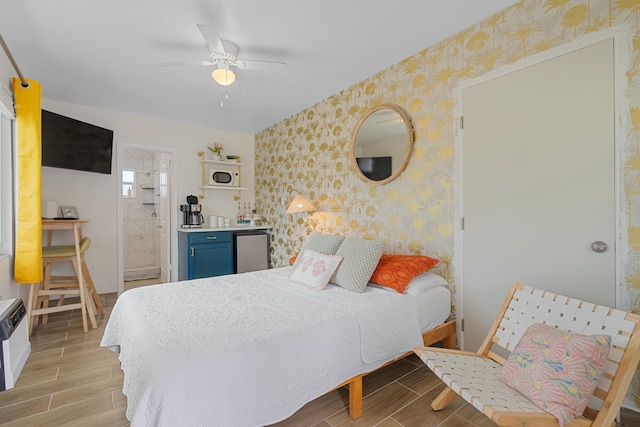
(324, 243)
(359, 260)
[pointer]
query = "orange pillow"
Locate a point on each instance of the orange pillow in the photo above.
(396, 271)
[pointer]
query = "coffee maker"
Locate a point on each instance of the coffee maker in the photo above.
(191, 213)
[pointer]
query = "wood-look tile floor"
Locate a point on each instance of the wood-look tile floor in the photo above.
(138, 283)
(69, 380)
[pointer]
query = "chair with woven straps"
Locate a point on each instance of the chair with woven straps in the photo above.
(475, 376)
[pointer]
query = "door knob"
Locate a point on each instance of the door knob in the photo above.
(599, 246)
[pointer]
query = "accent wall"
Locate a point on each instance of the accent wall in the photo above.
(308, 153)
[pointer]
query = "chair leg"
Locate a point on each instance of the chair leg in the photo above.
(443, 399)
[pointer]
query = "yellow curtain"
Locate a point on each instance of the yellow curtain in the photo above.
(28, 256)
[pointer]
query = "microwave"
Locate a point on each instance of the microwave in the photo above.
(224, 177)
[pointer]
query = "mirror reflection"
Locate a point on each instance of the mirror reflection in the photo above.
(381, 144)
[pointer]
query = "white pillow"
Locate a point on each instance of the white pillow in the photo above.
(315, 269)
(418, 285)
(423, 282)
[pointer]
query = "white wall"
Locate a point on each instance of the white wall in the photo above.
(96, 195)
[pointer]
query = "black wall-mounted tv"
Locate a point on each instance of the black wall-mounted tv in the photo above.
(375, 168)
(72, 144)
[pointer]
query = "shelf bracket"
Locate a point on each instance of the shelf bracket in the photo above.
(201, 155)
(239, 195)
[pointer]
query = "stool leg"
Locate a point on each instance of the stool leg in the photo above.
(91, 308)
(83, 306)
(46, 281)
(83, 299)
(38, 301)
(33, 294)
(90, 286)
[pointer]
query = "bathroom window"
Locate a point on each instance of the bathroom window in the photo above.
(128, 184)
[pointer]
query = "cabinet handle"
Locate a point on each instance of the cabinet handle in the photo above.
(211, 238)
(192, 253)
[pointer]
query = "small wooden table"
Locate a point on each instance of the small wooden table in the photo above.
(51, 225)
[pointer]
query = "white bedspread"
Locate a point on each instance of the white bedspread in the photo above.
(248, 349)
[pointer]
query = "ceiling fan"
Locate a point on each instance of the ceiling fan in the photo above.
(223, 56)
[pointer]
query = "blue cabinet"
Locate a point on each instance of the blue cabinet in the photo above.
(204, 254)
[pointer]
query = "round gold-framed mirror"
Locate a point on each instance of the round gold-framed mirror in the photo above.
(381, 144)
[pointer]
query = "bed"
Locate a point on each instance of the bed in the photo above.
(251, 349)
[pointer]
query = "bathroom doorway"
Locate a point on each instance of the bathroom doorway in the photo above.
(145, 195)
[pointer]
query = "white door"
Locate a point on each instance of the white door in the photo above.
(538, 162)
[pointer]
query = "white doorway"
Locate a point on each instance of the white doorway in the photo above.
(538, 183)
(145, 183)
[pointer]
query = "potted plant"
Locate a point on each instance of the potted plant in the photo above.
(216, 149)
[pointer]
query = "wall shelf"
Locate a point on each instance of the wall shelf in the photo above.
(222, 162)
(221, 187)
(232, 164)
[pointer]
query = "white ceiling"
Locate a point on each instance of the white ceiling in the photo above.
(104, 53)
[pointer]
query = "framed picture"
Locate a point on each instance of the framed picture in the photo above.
(69, 212)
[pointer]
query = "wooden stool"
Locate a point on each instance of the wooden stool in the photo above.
(62, 286)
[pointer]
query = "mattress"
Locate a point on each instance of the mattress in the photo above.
(250, 349)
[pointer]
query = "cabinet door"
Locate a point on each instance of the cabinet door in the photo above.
(209, 260)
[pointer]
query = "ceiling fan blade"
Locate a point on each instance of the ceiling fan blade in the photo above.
(253, 64)
(185, 63)
(212, 38)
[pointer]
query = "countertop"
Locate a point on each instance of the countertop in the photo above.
(232, 228)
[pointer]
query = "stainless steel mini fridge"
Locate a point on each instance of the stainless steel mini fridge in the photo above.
(251, 250)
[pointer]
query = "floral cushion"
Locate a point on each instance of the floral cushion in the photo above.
(557, 370)
(396, 271)
(315, 269)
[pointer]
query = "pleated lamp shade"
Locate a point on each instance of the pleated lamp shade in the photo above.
(300, 204)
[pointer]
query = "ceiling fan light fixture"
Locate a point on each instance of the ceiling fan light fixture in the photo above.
(223, 76)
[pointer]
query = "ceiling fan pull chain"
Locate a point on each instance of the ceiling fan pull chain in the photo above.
(226, 96)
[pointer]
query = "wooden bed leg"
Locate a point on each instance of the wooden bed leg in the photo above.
(443, 399)
(450, 342)
(355, 397)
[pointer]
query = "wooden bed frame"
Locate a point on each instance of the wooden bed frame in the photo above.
(445, 333)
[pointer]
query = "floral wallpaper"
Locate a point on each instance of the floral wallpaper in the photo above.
(308, 153)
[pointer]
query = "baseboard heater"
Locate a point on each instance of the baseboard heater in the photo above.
(15, 348)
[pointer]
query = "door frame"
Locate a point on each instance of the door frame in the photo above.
(622, 52)
(172, 233)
